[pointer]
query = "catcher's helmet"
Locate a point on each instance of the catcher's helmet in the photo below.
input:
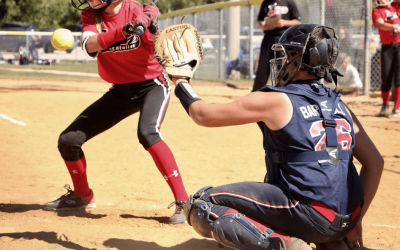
(309, 47)
(85, 4)
(385, 2)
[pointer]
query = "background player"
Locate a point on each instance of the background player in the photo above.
(313, 191)
(139, 85)
(289, 16)
(386, 19)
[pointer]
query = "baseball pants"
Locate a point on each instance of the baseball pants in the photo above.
(295, 216)
(150, 98)
(390, 66)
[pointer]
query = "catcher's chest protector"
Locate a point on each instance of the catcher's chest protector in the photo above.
(311, 156)
(178, 48)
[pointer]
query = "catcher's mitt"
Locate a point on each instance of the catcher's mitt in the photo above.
(179, 50)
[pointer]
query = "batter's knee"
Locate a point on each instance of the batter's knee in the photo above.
(70, 145)
(148, 136)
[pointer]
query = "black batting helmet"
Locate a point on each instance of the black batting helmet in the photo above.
(309, 47)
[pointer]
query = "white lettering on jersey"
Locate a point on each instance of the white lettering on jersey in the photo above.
(390, 15)
(339, 110)
(309, 111)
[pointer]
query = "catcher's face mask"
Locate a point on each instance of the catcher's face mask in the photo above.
(86, 4)
(277, 63)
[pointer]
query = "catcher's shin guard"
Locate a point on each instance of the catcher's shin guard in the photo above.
(235, 231)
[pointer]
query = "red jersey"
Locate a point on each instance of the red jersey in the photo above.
(389, 15)
(130, 60)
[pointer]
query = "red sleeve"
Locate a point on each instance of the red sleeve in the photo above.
(376, 14)
(88, 21)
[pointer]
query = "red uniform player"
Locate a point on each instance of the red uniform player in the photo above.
(139, 84)
(386, 19)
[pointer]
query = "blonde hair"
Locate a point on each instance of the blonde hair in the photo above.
(99, 21)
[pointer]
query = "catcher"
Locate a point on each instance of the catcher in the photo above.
(312, 190)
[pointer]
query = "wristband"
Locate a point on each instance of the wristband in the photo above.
(107, 39)
(186, 95)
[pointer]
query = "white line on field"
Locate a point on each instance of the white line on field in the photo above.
(375, 225)
(12, 120)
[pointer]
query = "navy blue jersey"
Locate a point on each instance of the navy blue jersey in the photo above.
(312, 155)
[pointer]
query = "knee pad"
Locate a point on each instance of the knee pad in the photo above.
(69, 145)
(148, 136)
(197, 214)
(235, 231)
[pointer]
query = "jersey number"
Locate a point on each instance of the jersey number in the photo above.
(343, 130)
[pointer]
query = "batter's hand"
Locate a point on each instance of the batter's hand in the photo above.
(151, 10)
(396, 30)
(354, 238)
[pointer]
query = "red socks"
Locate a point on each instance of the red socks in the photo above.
(165, 162)
(396, 98)
(385, 97)
(77, 170)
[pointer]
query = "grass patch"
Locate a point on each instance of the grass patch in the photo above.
(87, 67)
(4, 74)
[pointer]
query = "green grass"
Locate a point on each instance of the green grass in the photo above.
(91, 67)
(87, 67)
(4, 74)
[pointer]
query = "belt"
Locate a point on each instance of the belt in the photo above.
(281, 157)
(332, 216)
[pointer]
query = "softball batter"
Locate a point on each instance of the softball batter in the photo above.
(139, 84)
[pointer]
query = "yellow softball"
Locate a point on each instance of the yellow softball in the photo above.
(62, 39)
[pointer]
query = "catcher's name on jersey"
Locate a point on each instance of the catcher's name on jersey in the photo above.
(312, 110)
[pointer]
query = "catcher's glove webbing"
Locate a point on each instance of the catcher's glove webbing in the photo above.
(179, 50)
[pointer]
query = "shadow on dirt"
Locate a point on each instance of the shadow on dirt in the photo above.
(22, 208)
(162, 220)
(125, 244)
(49, 237)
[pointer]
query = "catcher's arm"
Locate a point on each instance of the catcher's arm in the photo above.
(371, 171)
(273, 108)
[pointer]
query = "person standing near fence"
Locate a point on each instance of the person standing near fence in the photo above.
(288, 14)
(386, 19)
(139, 84)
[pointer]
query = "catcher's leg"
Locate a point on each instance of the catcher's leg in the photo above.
(233, 229)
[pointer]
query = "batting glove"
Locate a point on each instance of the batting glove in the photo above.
(396, 30)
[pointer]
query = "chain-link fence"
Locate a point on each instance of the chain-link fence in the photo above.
(347, 18)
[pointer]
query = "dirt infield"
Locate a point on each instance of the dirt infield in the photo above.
(131, 194)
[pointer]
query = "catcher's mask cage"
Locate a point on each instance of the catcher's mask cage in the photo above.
(85, 4)
(384, 2)
(310, 47)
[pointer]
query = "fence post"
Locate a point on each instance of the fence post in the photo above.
(221, 33)
(367, 54)
(251, 30)
(323, 12)
(27, 44)
(195, 25)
